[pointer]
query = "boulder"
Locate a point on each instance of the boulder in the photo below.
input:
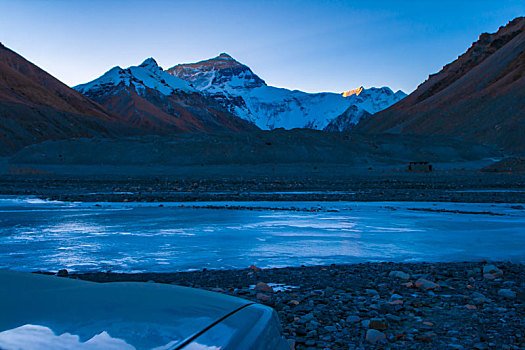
(399, 274)
(426, 284)
(263, 287)
(491, 270)
(373, 336)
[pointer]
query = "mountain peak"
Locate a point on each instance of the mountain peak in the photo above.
(222, 70)
(353, 92)
(146, 75)
(149, 63)
(225, 56)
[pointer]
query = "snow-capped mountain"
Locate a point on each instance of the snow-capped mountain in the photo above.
(214, 74)
(348, 119)
(147, 97)
(146, 75)
(363, 103)
(222, 93)
(247, 96)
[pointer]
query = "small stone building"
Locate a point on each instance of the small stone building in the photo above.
(420, 167)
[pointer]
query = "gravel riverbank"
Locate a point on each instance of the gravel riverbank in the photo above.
(298, 184)
(469, 305)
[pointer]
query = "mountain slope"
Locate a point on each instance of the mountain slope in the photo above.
(150, 99)
(34, 107)
(478, 97)
(347, 120)
(247, 96)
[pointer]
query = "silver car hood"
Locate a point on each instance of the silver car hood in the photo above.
(113, 315)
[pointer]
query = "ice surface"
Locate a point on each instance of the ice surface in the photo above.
(180, 236)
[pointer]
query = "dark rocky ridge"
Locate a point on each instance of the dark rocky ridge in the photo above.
(275, 182)
(264, 147)
(34, 107)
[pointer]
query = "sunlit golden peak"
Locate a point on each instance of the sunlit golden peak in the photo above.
(353, 92)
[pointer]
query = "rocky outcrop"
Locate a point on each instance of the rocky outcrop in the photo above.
(214, 72)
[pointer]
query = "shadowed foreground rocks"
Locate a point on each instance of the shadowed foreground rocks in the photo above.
(376, 305)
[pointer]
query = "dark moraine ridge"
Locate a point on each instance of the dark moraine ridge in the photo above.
(267, 183)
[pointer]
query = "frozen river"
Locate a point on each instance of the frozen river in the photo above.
(42, 235)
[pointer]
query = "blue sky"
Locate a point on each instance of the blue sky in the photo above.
(306, 45)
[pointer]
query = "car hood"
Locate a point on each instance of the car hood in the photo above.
(138, 315)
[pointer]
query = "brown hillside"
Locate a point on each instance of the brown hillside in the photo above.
(479, 97)
(35, 107)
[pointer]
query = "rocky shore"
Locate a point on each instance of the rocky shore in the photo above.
(469, 305)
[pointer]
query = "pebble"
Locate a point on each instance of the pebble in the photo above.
(393, 318)
(426, 336)
(507, 293)
(480, 346)
(353, 319)
(455, 346)
(395, 297)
